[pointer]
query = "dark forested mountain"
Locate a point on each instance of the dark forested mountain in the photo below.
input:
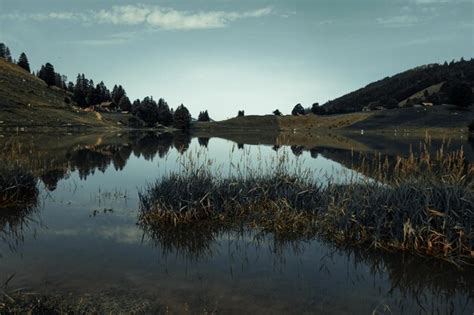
(391, 91)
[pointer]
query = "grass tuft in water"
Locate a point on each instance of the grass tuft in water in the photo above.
(422, 203)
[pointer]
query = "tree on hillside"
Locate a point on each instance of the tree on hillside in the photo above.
(203, 116)
(3, 48)
(47, 74)
(70, 87)
(460, 94)
(8, 55)
(80, 90)
(277, 112)
(92, 94)
(147, 111)
(125, 104)
(117, 93)
(298, 110)
(240, 113)
(103, 92)
(315, 108)
(23, 62)
(5, 52)
(389, 103)
(135, 106)
(182, 118)
(165, 117)
(60, 81)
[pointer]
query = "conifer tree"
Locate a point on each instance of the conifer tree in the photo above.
(124, 104)
(165, 117)
(47, 74)
(182, 118)
(203, 116)
(23, 62)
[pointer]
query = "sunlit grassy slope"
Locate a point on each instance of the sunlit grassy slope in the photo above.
(26, 101)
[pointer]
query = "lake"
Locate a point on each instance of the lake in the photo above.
(81, 240)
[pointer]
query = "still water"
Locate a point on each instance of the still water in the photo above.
(83, 239)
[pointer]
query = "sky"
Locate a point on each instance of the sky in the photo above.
(225, 56)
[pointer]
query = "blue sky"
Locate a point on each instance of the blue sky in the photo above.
(224, 55)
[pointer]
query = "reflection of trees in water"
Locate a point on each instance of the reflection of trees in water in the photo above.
(181, 141)
(314, 153)
(151, 144)
(86, 161)
(203, 141)
(297, 150)
(18, 201)
(51, 178)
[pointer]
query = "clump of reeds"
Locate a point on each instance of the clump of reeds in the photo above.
(421, 203)
(18, 199)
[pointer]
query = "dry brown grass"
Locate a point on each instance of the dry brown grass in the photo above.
(422, 204)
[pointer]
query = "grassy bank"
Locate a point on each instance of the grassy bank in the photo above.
(436, 120)
(421, 204)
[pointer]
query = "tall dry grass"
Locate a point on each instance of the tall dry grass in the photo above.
(423, 203)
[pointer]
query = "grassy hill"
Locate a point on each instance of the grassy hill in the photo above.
(437, 120)
(433, 78)
(26, 101)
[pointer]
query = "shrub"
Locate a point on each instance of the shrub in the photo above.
(298, 110)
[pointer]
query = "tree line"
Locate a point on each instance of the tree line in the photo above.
(85, 93)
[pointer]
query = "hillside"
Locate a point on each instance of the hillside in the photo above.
(26, 101)
(437, 120)
(433, 78)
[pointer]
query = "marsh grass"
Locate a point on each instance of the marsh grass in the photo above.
(18, 200)
(422, 203)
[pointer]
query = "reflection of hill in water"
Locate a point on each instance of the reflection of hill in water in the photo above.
(51, 157)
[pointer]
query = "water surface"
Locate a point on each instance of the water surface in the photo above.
(83, 238)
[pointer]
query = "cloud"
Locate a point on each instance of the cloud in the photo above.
(172, 19)
(153, 16)
(423, 2)
(399, 21)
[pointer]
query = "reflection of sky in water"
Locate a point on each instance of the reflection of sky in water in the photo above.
(70, 249)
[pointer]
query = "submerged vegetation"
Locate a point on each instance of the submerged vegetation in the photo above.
(423, 203)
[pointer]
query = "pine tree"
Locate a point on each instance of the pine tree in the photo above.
(165, 117)
(124, 104)
(203, 116)
(147, 111)
(298, 110)
(47, 74)
(117, 93)
(3, 48)
(315, 108)
(8, 55)
(79, 95)
(182, 118)
(23, 62)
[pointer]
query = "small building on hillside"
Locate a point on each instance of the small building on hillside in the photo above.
(107, 107)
